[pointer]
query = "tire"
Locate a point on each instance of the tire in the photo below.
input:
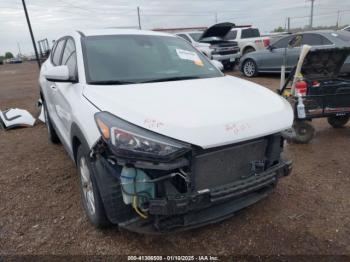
(304, 132)
(229, 66)
(338, 121)
(249, 68)
(90, 193)
(53, 137)
(248, 50)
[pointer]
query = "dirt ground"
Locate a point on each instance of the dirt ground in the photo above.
(41, 211)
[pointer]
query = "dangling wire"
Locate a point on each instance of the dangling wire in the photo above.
(134, 205)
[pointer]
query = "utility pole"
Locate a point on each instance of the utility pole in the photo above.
(19, 50)
(288, 24)
(216, 17)
(312, 13)
(138, 16)
(31, 33)
(338, 18)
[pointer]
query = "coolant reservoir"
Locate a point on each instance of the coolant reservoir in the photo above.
(131, 179)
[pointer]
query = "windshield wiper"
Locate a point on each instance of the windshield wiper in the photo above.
(174, 78)
(111, 82)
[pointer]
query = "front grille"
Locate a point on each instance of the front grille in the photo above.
(216, 167)
(226, 51)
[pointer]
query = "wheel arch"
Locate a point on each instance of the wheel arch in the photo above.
(249, 58)
(248, 47)
(77, 139)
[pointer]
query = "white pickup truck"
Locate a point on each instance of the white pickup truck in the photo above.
(248, 39)
(211, 42)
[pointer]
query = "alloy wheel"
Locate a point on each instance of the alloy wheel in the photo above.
(86, 183)
(249, 68)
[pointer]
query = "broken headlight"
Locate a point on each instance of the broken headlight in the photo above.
(131, 141)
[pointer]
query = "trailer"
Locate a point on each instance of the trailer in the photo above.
(317, 91)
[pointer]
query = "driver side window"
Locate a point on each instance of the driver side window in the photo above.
(69, 57)
(282, 43)
(56, 56)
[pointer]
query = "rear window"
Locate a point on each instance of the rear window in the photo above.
(314, 40)
(250, 33)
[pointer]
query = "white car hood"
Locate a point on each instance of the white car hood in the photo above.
(206, 112)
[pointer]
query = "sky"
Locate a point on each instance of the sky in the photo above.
(51, 19)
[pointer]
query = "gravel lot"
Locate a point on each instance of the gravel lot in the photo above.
(41, 211)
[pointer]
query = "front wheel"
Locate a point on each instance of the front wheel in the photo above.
(338, 121)
(303, 132)
(249, 68)
(92, 201)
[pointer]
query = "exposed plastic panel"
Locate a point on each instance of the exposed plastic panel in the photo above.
(15, 117)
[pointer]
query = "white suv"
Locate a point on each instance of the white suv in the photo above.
(161, 138)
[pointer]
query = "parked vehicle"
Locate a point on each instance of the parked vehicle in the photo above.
(248, 39)
(161, 138)
(193, 37)
(227, 52)
(346, 29)
(271, 59)
(319, 92)
(15, 60)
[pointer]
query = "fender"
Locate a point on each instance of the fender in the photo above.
(77, 138)
(107, 178)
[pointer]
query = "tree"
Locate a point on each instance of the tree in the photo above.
(8, 55)
(278, 29)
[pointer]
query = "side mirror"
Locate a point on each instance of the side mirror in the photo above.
(271, 47)
(218, 65)
(58, 74)
(295, 41)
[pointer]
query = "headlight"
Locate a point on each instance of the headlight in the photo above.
(131, 141)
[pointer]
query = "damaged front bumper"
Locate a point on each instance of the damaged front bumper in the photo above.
(202, 196)
(181, 212)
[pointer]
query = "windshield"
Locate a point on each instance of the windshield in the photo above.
(121, 59)
(196, 36)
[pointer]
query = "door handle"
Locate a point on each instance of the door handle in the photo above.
(54, 87)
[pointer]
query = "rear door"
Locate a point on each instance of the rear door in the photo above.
(313, 39)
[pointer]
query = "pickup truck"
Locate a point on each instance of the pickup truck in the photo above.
(248, 39)
(193, 37)
(211, 42)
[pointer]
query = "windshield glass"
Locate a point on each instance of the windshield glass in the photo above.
(196, 36)
(143, 58)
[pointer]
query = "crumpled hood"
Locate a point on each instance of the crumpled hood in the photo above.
(206, 112)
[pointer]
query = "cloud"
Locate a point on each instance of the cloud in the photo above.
(51, 19)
